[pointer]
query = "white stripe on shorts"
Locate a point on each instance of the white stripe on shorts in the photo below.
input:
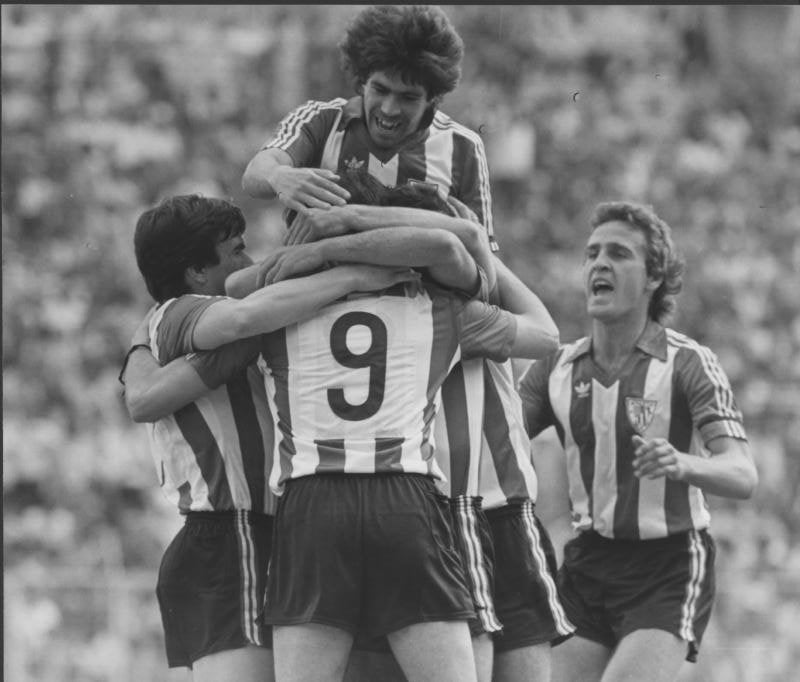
(479, 580)
(249, 597)
(697, 573)
(563, 626)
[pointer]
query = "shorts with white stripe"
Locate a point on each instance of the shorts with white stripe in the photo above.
(474, 542)
(211, 585)
(611, 588)
(525, 595)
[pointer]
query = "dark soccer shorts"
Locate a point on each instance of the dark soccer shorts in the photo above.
(526, 597)
(367, 553)
(211, 585)
(611, 588)
(474, 542)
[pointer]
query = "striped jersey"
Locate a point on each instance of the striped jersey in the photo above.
(671, 387)
(214, 454)
(356, 388)
(506, 466)
(334, 136)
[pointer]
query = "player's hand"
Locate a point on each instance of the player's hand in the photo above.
(141, 334)
(302, 188)
(315, 224)
(656, 457)
(462, 210)
(377, 277)
(287, 262)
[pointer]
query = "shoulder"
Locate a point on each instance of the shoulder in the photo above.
(443, 124)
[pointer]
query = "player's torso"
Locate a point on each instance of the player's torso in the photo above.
(598, 417)
(355, 388)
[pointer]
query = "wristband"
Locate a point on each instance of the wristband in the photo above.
(134, 347)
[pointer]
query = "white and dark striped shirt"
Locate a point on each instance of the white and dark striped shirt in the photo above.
(214, 454)
(356, 388)
(333, 135)
(672, 387)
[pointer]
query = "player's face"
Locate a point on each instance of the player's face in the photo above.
(232, 257)
(615, 274)
(393, 109)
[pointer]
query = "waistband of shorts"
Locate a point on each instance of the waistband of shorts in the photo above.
(378, 475)
(466, 502)
(514, 508)
(228, 516)
(591, 538)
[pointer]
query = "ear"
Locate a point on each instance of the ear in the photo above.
(195, 276)
(652, 284)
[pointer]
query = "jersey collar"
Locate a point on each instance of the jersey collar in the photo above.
(653, 341)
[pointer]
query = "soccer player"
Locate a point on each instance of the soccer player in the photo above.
(402, 60)
(213, 456)
(649, 426)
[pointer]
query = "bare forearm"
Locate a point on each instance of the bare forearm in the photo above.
(730, 474)
(471, 235)
(257, 178)
(143, 387)
(447, 260)
(271, 307)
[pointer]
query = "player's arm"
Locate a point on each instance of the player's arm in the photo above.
(535, 395)
(442, 253)
(537, 334)
(287, 302)
(271, 173)
(728, 472)
(153, 392)
(315, 225)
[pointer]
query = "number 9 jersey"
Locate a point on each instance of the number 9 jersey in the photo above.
(356, 388)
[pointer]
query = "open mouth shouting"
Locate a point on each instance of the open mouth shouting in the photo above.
(600, 286)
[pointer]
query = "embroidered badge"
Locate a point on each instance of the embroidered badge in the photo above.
(640, 413)
(582, 389)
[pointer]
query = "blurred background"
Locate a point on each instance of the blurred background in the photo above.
(108, 108)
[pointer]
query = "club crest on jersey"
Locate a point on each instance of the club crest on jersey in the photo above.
(582, 389)
(640, 413)
(354, 164)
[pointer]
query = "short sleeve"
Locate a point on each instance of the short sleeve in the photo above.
(218, 366)
(303, 132)
(708, 393)
(535, 395)
(486, 331)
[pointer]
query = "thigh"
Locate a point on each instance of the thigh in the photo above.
(248, 664)
(435, 652)
(580, 660)
(524, 664)
(310, 652)
(652, 655)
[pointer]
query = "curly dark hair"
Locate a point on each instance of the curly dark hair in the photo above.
(182, 232)
(418, 42)
(661, 256)
(368, 190)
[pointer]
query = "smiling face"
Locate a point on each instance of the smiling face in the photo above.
(615, 276)
(393, 108)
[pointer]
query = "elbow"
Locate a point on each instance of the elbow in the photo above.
(138, 408)
(749, 482)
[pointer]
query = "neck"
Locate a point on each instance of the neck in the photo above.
(613, 342)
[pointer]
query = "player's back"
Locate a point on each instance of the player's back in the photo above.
(355, 389)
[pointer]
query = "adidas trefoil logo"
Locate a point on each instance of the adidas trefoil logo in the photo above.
(582, 389)
(354, 164)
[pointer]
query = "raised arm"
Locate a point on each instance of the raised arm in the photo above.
(443, 254)
(537, 334)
